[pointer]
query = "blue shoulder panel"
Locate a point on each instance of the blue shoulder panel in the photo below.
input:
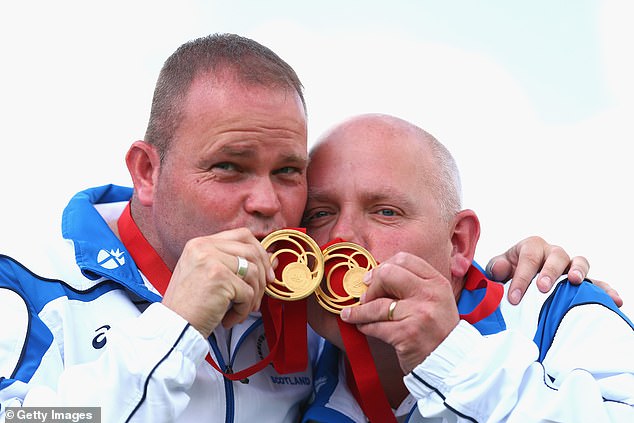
(37, 292)
(565, 297)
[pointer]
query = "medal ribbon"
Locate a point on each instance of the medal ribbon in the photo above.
(365, 383)
(292, 338)
(153, 267)
(363, 379)
(492, 296)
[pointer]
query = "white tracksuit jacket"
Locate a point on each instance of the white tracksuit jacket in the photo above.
(80, 327)
(566, 356)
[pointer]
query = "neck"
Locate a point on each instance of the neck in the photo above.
(142, 219)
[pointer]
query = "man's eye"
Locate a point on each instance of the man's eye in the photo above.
(287, 170)
(316, 215)
(387, 212)
(225, 166)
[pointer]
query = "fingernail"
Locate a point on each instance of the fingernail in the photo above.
(271, 274)
(362, 298)
(578, 274)
(547, 281)
(345, 314)
(367, 276)
(516, 295)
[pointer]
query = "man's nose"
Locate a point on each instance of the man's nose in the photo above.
(347, 228)
(263, 198)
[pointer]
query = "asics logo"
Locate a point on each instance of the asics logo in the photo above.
(100, 340)
(110, 259)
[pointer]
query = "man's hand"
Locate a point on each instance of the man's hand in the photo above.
(408, 305)
(205, 288)
(532, 256)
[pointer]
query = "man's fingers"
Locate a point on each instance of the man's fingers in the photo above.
(374, 311)
(237, 241)
(242, 304)
(258, 262)
(527, 267)
(218, 278)
(610, 291)
(579, 268)
(399, 277)
(534, 256)
(559, 263)
(499, 269)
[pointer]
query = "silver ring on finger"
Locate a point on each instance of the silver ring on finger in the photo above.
(243, 267)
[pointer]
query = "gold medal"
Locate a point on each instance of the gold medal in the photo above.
(345, 265)
(300, 264)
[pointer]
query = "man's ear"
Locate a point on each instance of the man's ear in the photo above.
(466, 232)
(143, 161)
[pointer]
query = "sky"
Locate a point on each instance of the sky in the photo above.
(534, 99)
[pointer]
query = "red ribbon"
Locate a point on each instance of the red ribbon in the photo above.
(364, 384)
(363, 378)
(292, 354)
(492, 296)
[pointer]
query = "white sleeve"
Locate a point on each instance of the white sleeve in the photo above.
(144, 373)
(587, 375)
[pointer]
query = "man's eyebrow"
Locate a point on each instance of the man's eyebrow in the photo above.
(317, 195)
(240, 151)
(389, 196)
(295, 158)
(248, 152)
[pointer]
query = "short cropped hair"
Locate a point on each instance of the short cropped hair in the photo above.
(249, 61)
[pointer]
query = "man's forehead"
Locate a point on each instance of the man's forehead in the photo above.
(227, 78)
(371, 194)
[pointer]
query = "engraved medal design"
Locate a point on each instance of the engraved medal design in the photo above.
(300, 265)
(345, 263)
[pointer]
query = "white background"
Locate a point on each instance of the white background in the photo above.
(535, 99)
